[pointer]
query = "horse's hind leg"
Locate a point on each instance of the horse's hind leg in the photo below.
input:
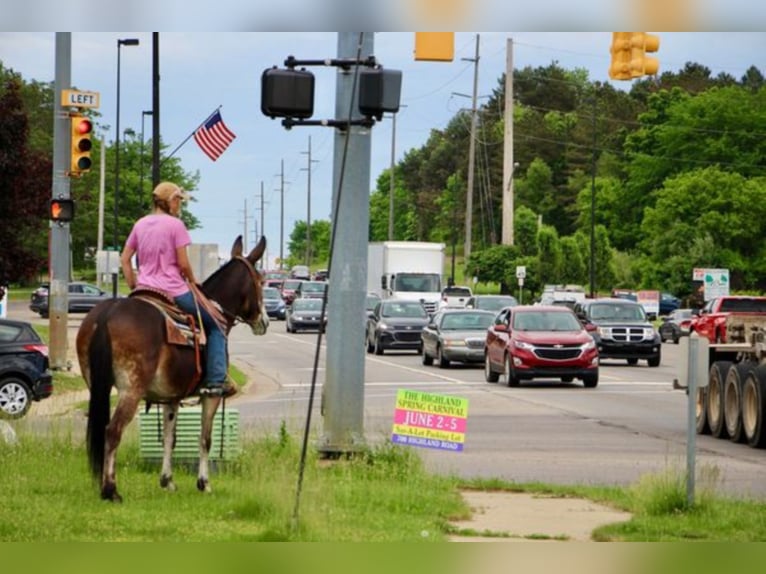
(209, 408)
(123, 414)
(169, 419)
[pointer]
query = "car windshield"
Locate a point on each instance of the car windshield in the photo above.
(290, 285)
(744, 305)
(457, 292)
(546, 321)
(417, 282)
(617, 312)
(271, 293)
(307, 305)
(371, 301)
(312, 287)
(404, 309)
(494, 303)
(466, 321)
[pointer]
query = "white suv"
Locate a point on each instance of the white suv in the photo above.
(455, 296)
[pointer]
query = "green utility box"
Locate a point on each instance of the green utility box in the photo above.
(226, 425)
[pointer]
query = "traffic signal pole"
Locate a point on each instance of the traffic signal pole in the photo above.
(58, 294)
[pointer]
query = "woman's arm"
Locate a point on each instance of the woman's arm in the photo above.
(184, 265)
(127, 267)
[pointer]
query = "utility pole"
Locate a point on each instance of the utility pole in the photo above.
(508, 165)
(343, 391)
(471, 153)
(308, 205)
(155, 110)
(282, 215)
(59, 231)
(265, 260)
(593, 208)
(244, 232)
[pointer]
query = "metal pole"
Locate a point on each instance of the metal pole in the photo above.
(282, 215)
(59, 232)
(508, 164)
(343, 391)
(391, 181)
(691, 417)
(148, 203)
(155, 109)
(471, 153)
(308, 205)
(593, 209)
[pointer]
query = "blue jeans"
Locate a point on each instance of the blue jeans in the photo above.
(216, 354)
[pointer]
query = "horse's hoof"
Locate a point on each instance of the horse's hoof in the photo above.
(203, 485)
(110, 493)
(167, 483)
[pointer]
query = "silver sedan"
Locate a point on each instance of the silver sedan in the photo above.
(456, 335)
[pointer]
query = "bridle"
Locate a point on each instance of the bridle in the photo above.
(233, 317)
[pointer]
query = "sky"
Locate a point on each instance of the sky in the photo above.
(202, 71)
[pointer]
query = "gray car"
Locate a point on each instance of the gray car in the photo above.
(304, 314)
(456, 335)
(82, 298)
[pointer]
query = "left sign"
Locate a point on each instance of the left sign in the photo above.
(76, 99)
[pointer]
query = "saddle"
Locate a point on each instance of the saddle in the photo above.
(181, 328)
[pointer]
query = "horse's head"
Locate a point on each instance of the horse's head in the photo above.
(238, 288)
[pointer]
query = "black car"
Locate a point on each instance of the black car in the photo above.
(24, 368)
(676, 325)
(491, 302)
(620, 329)
(305, 314)
(82, 298)
(396, 324)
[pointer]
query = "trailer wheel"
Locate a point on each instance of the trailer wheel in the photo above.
(715, 416)
(732, 399)
(701, 411)
(754, 407)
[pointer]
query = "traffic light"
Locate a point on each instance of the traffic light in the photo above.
(287, 93)
(62, 210)
(435, 46)
(81, 144)
(621, 56)
(379, 91)
(640, 63)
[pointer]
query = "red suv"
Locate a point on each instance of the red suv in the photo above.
(536, 341)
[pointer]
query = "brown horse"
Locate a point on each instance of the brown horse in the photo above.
(122, 343)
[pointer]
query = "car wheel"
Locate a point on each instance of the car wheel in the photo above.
(15, 398)
(427, 359)
(370, 346)
(378, 346)
(590, 381)
(675, 338)
(632, 361)
(510, 378)
(663, 338)
(654, 361)
(567, 379)
(489, 375)
(443, 363)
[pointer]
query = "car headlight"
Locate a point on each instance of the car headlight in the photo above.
(648, 332)
(383, 326)
(523, 345)
(605, 332)
(589, 345)
(454, 343)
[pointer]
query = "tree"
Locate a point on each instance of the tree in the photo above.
(549, 255)
(320, 243)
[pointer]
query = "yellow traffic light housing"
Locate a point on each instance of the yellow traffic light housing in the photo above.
(62, 210)
(81, 144)
(435, 46)
(619, 69)
(640, 63)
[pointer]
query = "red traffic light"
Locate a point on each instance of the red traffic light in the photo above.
(81, 144)
(82, 125)
(62, 210)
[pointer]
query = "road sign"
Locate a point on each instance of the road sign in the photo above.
(77, 99)
(521, 272)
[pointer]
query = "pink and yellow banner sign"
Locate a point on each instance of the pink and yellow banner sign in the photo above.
(430, 420)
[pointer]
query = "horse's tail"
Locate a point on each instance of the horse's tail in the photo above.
(101, 383)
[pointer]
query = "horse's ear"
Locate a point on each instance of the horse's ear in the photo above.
(257, 251)
(236, 249)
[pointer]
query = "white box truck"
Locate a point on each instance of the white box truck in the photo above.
(406, 270)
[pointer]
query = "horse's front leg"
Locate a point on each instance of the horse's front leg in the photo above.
(209, 408)
(169, 419)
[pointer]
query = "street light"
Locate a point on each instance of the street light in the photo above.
(120, 43)
(141, 160)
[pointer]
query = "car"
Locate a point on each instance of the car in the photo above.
(275, 283)
(82, 298)
(621, 330)
(311, 290)
(300, 272)
(455, 296)
(539, 341)
(275, 305)
(321, 275)
(370, 300)
(38, 295)
(455, 335)
(305, 315)
(668, 303)
(491, 302)
(289, 289)
(24, 368)
(396, 324)
(676, 325)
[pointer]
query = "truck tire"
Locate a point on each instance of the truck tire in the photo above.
(754, 407)
(489, 375)
(732, 399)
(715, 417)
(701, 411)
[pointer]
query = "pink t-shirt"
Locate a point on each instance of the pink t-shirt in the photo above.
(155, 238)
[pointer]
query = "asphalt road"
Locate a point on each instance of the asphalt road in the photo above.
(632, 424)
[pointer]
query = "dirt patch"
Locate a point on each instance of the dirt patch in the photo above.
(519, 516)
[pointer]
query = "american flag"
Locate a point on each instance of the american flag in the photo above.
(213, 136)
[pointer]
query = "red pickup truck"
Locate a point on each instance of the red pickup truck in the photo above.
(721, 317)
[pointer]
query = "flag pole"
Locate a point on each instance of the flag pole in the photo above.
(190, 135)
